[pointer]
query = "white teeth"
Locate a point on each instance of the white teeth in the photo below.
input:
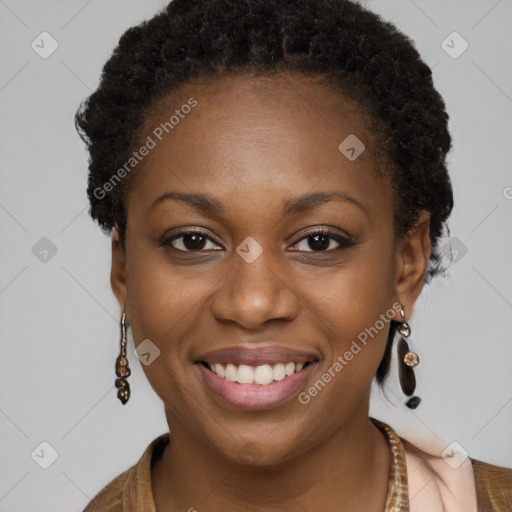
(290, 369)
(245, 374)
(279, 371)
(263, 374)
(219, 370)
(231, 373)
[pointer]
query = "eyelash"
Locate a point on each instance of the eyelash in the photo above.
(344, 242)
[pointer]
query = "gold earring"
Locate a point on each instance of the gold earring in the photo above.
(122, 368)
(407, 360)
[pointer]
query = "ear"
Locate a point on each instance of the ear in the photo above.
(118, 269)
(412, 257)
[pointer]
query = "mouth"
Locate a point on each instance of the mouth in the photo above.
(254, 379)
(262, 375)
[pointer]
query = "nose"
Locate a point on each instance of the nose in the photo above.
(255, 293)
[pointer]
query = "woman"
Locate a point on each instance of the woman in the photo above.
(274, 178)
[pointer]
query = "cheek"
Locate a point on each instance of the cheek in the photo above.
(356, 307)
(354, 294)
(166, 306)
(164, 299)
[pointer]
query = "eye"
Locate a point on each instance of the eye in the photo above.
(190, 241)
(318, 241)
(322, 241)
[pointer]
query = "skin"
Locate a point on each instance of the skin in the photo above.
(253, 143)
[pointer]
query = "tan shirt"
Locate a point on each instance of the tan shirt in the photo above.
(419, 482)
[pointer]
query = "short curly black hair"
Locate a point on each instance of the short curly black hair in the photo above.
(366, 58)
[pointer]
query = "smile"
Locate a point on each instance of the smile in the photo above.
(254, 378)
(262, 375)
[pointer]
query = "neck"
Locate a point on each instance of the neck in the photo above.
(347, 472)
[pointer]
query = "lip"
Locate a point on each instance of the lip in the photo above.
(271, 354)
(254, 396)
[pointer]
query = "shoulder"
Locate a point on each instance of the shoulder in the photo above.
(441, 476)
(110, 498)
(131, 490)
(458, 484)
(493, 487)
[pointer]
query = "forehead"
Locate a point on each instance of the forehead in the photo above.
(258, 137)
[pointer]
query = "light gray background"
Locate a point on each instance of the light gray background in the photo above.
(59, 319)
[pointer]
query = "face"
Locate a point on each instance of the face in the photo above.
(276, 260)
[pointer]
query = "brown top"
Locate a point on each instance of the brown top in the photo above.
(494, 487)
(131, 490)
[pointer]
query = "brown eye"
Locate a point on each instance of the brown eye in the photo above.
(319, 242)
(190, 241)
(322, 241)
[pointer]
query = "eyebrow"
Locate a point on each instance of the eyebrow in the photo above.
(210, 205)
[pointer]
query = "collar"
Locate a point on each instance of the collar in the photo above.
(419, 479)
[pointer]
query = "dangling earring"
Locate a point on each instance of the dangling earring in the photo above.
(122, 368)
(407, 360)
